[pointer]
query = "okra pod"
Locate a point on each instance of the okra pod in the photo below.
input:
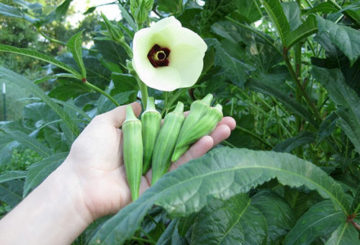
(201, 127)
(150, 120)
(166, 141)
(132, 151)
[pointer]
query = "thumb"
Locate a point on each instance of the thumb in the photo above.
(117, 116)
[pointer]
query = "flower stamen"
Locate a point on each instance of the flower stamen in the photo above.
(159, 56)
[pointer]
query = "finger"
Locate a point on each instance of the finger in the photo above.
(221, 132)
(117, 116)
(229, 121)
(202, 146)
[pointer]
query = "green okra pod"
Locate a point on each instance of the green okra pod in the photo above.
(166, 141)
(132, 151)
(151, 121)
(197, 109)
(204, 125)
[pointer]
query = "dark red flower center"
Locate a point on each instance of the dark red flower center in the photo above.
(159, 56)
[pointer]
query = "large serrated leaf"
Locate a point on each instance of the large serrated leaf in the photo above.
(10, 192)
(277, 16)
(234, 221)
(11, 175)
(14, 12)
(222, 173)
(345, 38)
(319, 220)
(37, 55)
(75, 46)
(279, 215)
(345, 234)
(292, 143)
(346, 99)
(35, 90)
(292, 13)
(29, 142)
(306, 29)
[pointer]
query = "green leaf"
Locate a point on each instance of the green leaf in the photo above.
(222, 173)
(292, 143)
(345, 234)
(262, 85)
(12, 175)
(34, 54)
(127, 17)
(306, 29)
(234, 69)
(7, 144)
(355, 206)
(175, 6)
(279, 216)
(114, 31)
(10, 192)
(276, 13)
(248, 11)
(292, 13)
(346, 99)
(320, 220)
(325, 8)
(29, 142)
(90, 10)
(345, 38)
(14, 12)
(234, 221)
(37, 172)
(35, 90)
(75, 46)
(61, 10)
(140, 10)
(327, 126)
(166, 236)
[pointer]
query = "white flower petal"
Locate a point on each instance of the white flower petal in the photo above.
(163, 78)
(187, 50)
(189, 60)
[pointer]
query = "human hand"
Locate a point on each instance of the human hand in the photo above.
(96, 160)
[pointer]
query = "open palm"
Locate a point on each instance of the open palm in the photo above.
(96, 159)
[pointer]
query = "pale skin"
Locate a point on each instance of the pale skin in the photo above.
(89, 184)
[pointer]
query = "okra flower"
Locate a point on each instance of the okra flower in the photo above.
(167, 56)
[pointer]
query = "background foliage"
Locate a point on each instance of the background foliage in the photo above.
(287, 71)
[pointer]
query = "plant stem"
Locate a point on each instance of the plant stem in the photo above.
(143, 90)
(97, 89)
(49, 38)
(229, 144)
(254, 135)
(296, 79)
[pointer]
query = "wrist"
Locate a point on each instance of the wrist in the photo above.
(66, 184)
(53, 213)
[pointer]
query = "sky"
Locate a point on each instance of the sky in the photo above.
(112, 12)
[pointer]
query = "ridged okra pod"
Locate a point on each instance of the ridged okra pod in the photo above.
(204, 125)
(166, 141)
(197, 109)
(151, 121)
(132, 151)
